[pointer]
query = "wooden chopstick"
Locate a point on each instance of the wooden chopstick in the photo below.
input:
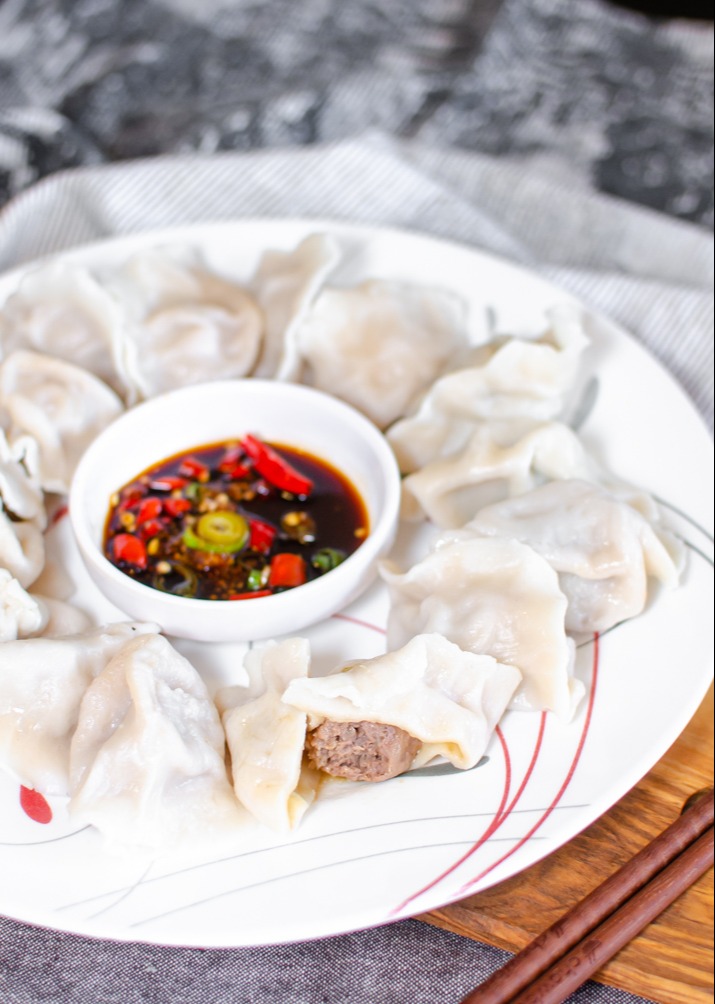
(607, 918)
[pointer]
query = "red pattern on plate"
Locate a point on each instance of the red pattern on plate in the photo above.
(35, 805)
(567, 780)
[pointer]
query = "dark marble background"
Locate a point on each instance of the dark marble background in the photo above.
(623, 99)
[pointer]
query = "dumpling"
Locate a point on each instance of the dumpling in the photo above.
(511, 383)
(184, 324)
(21, 615)
(266, 737)
(42, 682)
(19, 493)
(56, 410)
(603, 549)
(491, 597)
(448, 699)
(285, 285)
(380, 344)
(450, 491)
(60, 309)
(147, 759)
(22, 549)
(513, 378)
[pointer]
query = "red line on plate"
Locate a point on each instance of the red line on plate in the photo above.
(496, 822)
(564, 786)
(355, 620)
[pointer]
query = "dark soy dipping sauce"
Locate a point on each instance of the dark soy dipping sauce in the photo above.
(234, 520)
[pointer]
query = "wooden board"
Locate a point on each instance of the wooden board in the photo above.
(672, 960)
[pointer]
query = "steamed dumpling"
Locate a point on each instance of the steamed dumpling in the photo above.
(518, 377)
(184, 325)
(27, 615)
(55, 410)
(285, 285)
(42, 682)
(491, 597)
(21, 615)
(22, 549)
(448, 699)
(147, 759)
(511, 383)
(20, 494)
(450, 491)
(60, 309)
(266, 737)
(380, 344)
(603, 550)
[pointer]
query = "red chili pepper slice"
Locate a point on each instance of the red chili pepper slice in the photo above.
(149, 508)
(275, 469)
(193, 468)
(151, 528)
(175, 507)
(286, 570)
(249, 596)
(131, 498)
(232, 460)
(168, 483)
(126, 547)
(261, 536)
(236, 471)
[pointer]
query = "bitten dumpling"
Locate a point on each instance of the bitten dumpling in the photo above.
(42, 682)
(492, 597)
(446, 699)
(147, 765)
(380, 344)
(266, 737)
(603, 549)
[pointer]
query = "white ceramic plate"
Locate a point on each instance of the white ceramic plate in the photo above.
(366, 855)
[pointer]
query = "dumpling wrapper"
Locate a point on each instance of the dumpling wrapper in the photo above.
(22, 549)
(29, 615)
(491, 597)
(450, 491)
(60, 309)
(55, 410)
(21, 615)
(42, 682)
(511, 383)
(19, 493)
(184, 324)
(514, 378)
(603, 550)
(147, 759)
(380, 344)
(285, 286)
(266, 737)
(449, 699)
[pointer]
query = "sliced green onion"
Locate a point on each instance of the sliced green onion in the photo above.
(327, 558)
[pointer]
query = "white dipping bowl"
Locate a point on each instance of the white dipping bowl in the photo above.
(288, 414)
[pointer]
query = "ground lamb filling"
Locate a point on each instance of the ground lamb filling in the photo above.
(361, 751)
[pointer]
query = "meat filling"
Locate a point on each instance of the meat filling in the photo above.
(361, 751)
